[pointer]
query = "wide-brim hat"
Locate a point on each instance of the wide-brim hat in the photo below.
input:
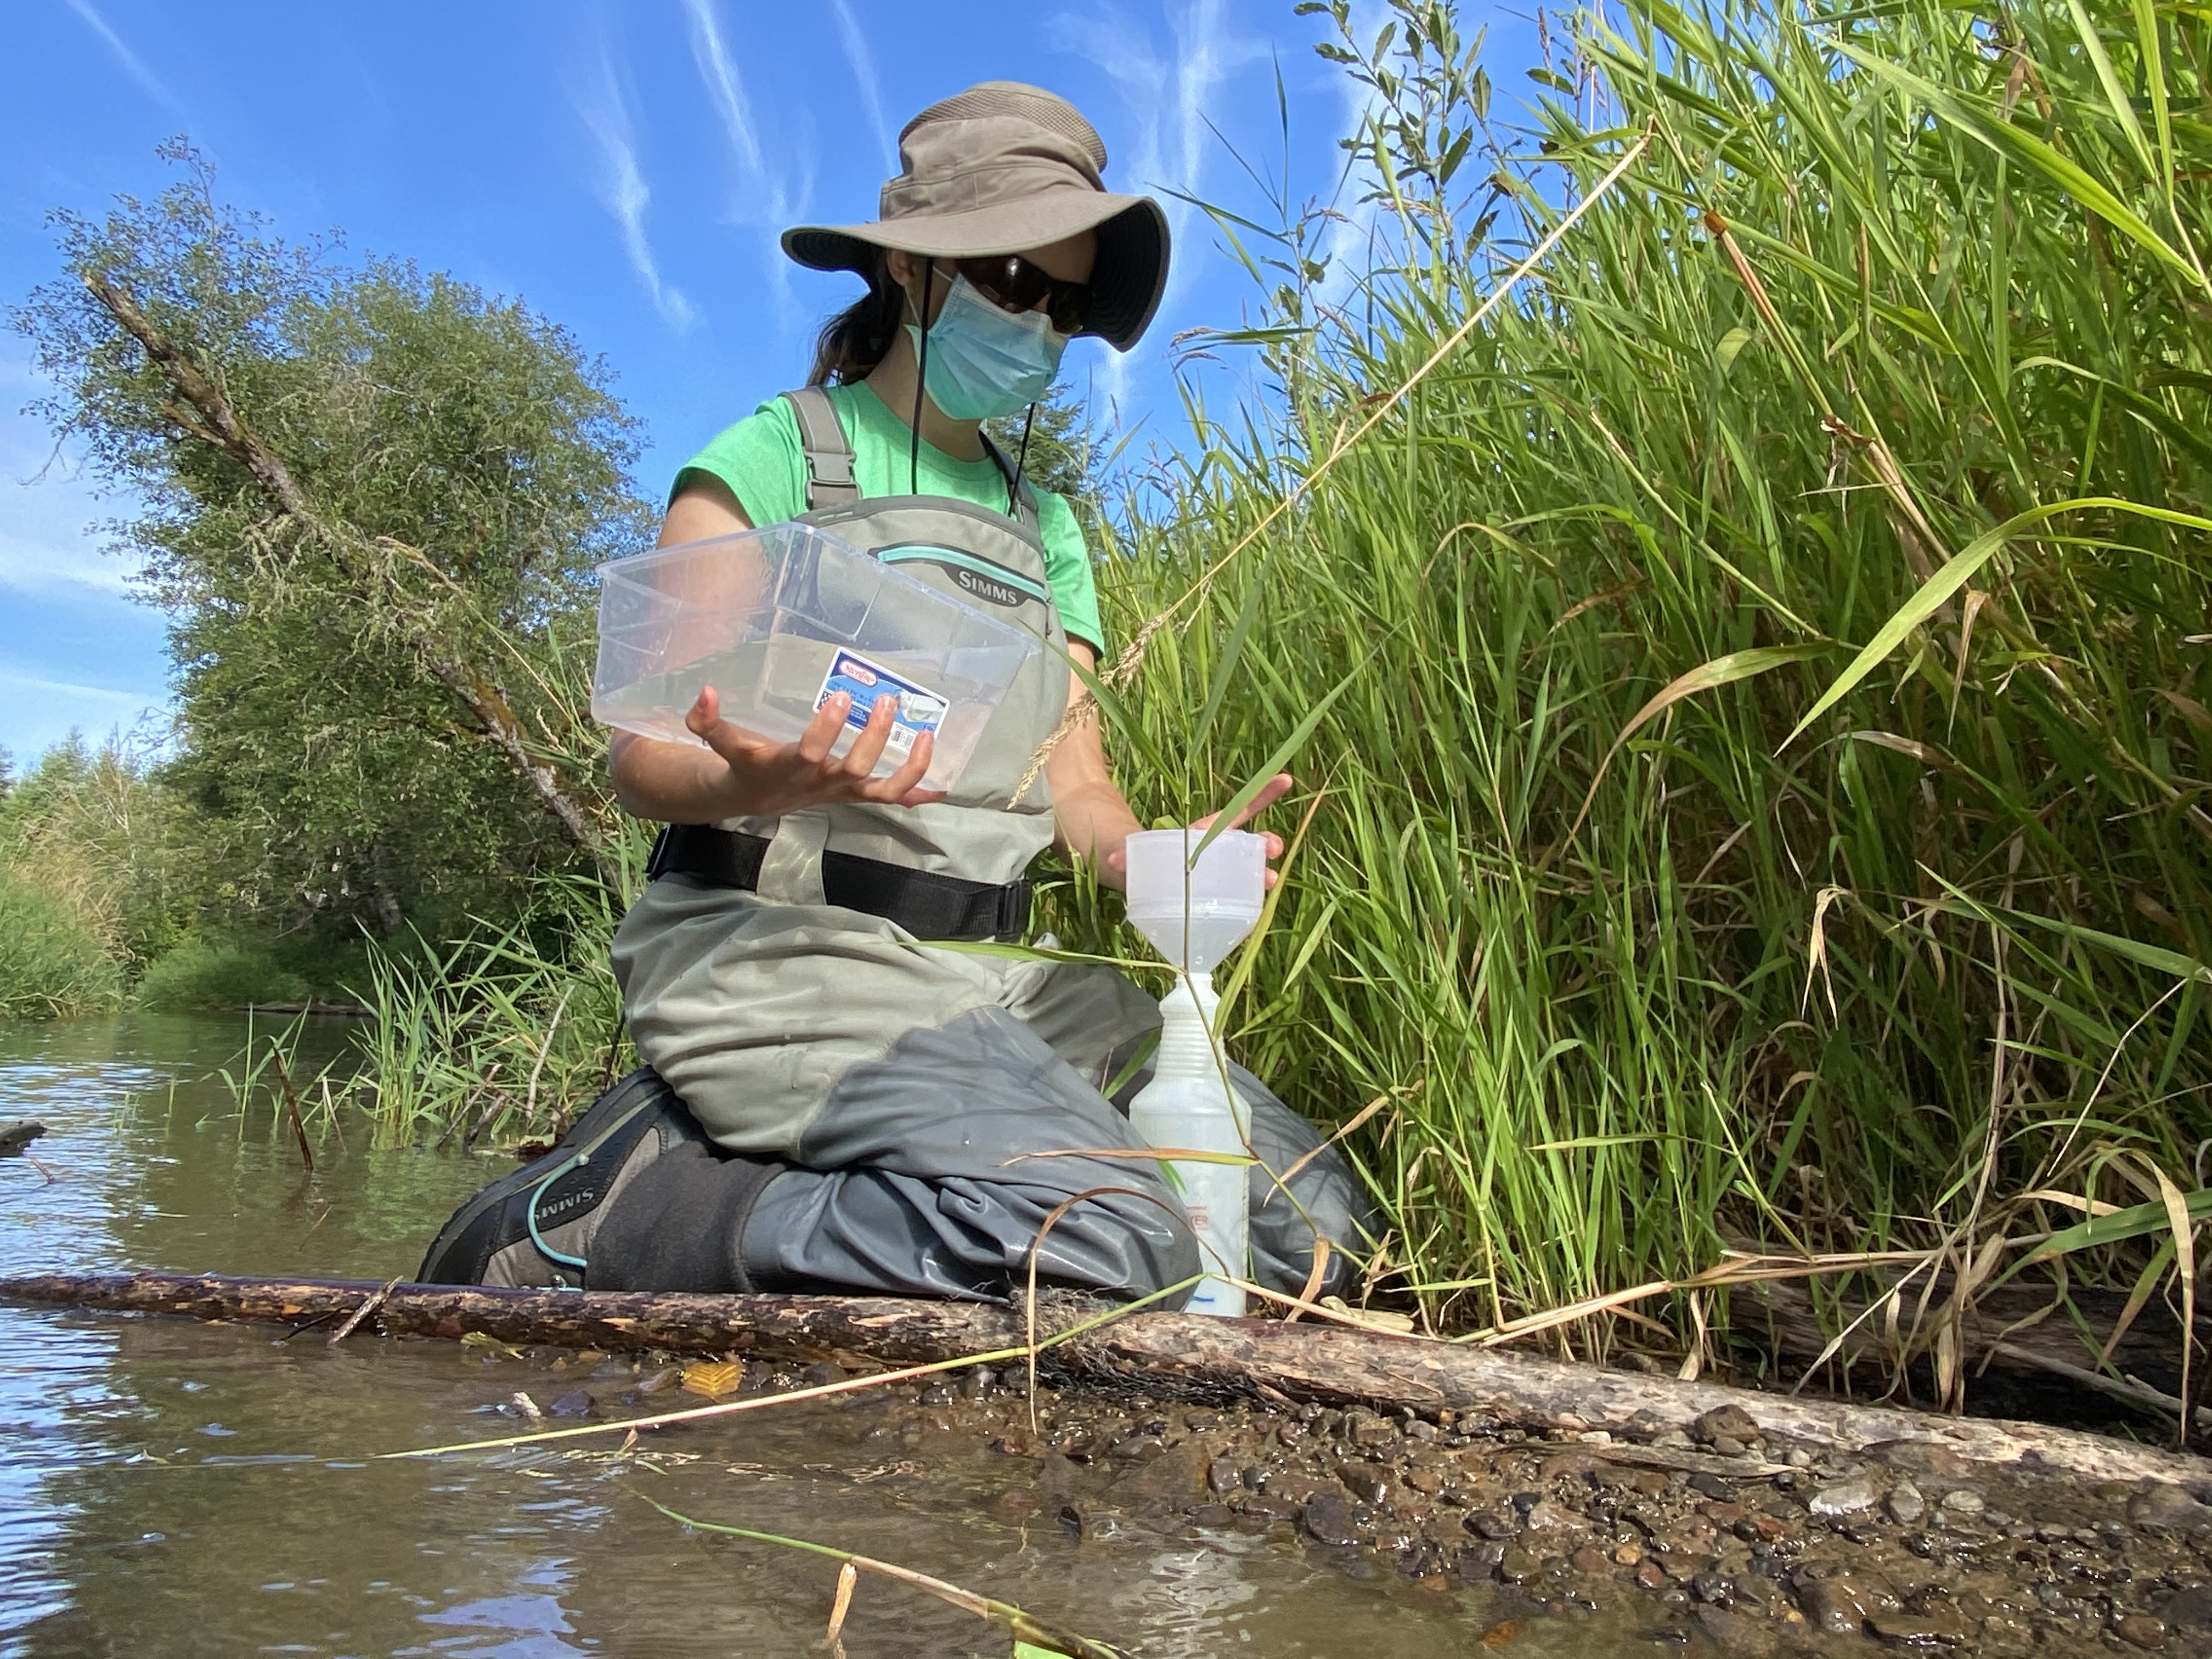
(1002, 168)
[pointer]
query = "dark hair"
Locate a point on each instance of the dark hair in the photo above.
(855, 340)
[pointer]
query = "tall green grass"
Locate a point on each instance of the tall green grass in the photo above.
(1886, 364)
(52, 961)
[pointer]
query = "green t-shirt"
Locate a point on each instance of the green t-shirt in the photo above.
(761, 460)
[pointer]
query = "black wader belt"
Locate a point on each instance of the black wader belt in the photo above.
(927, 904)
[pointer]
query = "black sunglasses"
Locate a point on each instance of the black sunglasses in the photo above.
(1012, 283)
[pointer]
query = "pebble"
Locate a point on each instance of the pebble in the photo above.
(2141, 1629)
(1730, 1420)
(1843, 1496)
(1905, 1505)
(575, 1403)
(1842, 1605)
(1096, 1524)
(1368, 1482)
(1737, 1634)
(1712, 1486)
(1964, 1501)
(2164, 1504)
(1712, 1589)
(1548, 1516)
(1628, 1555)
(1518, 1565)
(1365, 1430)
(1909, 1630)
(1650, 1576)
(1589, 1558)
(1222, 1477)
(2192, 1608)
(1330, 1518)
(1426, 1481)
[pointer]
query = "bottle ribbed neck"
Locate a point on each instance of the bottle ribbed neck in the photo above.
(1186, 1012)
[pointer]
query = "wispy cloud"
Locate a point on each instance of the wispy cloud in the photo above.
(51, 542)
(862, 62)
(36, 682)
(622, 189)
(31, 565)
(723, 85)
(133, 64)
(764, 197)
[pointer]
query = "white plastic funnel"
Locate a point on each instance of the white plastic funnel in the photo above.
(1195, 914)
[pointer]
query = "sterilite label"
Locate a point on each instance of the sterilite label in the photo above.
(865, 680)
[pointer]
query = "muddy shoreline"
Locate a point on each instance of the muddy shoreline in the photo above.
(1718, 1540)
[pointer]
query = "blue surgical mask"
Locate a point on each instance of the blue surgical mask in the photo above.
(983, 362)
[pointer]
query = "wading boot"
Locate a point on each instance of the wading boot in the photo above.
(536, 1226)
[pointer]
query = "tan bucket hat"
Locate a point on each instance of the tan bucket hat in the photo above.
(1000, 168)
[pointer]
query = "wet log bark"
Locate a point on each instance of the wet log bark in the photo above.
(2012, 1327)
(1159, 1352)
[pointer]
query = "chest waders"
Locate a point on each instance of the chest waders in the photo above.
(864, 1109)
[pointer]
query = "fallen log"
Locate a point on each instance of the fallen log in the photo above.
(1170, 1353)
(2012, 1327)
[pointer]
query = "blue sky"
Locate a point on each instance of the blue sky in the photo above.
(623, 168)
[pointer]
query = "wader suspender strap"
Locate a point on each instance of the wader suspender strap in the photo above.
(829, 480)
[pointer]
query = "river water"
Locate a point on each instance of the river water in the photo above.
(171, 1488)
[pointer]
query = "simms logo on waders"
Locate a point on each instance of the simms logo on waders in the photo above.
(985, 587)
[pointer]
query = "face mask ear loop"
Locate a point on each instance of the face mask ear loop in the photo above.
(920, 382)
(1021, 456)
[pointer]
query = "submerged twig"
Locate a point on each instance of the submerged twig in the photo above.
(369, 1305)
(1026, 1627)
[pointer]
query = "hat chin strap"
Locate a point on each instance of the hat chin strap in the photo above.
(921, 383)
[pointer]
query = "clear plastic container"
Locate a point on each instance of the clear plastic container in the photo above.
(775, 620)
(1225, 890)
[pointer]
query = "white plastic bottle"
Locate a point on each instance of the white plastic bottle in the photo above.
(1188, 1106)
(1195, 909)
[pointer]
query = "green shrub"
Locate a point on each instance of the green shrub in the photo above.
(198, 975)
(51, 962)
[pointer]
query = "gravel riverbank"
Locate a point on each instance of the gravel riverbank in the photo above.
(1719, 1539)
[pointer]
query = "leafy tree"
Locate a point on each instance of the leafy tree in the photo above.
(370, 499)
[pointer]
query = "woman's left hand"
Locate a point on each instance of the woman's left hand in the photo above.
(1273, 790)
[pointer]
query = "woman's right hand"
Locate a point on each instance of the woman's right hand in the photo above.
(767, 779)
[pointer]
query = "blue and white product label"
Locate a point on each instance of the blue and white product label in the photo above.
(919, 709)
